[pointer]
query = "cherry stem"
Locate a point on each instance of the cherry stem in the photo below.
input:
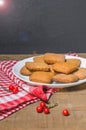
(52, 106)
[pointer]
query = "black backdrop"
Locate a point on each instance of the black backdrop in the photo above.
(40, 26)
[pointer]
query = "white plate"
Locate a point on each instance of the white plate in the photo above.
(20, 64)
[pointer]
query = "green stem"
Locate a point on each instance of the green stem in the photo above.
(52, 106)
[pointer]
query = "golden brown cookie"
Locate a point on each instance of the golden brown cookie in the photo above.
(81, 73)
(37, 66)
(51, 70)
(41, 77)
(64, 67)
(63, 78)
(75, 62)
(51, 58)
(25, 71)
(38, 58)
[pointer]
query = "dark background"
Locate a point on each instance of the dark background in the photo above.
(28, 26)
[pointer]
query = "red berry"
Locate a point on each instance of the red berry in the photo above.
(11, 87)
(39, 109)
(15, 90)
(65, 112)
(46, 110)
(42, 104)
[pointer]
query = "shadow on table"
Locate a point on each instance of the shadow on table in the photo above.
(74, 88)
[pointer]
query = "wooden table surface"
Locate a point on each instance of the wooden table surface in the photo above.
(73, 98)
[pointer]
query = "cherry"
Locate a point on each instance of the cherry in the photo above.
(15, 90)
(11, 87)
(65, 112)
(46, 110)
(39, 109)
(42, 104)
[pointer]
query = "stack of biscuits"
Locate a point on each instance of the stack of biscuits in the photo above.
(53, 67)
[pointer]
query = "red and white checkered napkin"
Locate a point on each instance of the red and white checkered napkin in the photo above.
(9, 102)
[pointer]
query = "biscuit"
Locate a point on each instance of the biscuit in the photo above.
(76, 62)
(51, 58)
(38, 59)
(63, 78)
(51, 69)
(25, 71)
(41, 77)
(81, 73)
(64, 67)
(37, 66)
